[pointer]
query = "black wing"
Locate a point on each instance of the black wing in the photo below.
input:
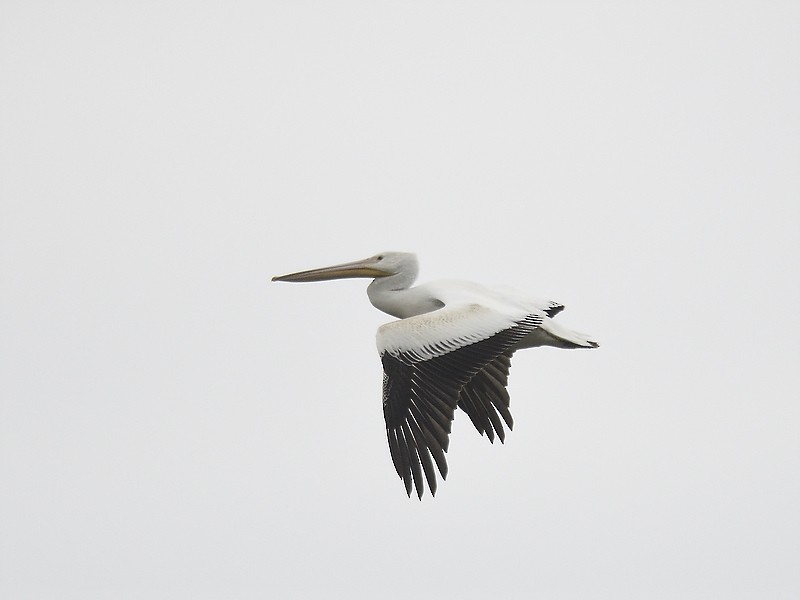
(485, 399)
(420, 396)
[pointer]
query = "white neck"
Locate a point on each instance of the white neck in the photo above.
(395, 296)
(387, 293)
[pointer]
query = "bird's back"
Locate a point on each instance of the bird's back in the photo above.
(499, 298)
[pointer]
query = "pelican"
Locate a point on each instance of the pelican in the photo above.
(451, 348)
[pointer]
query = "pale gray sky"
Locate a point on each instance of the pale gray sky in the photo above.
(172, 425)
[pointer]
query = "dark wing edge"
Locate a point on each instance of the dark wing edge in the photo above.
(553, 308)
(420, 397)
(485, 398)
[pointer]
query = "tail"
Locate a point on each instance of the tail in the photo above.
(553, 334)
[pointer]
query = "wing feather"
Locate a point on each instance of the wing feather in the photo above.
(476, 412)
(429, 366)
(485, 398)
(413, 456)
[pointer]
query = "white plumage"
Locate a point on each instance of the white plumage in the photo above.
(451, 348)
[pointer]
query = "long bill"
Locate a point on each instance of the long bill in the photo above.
(359, 268)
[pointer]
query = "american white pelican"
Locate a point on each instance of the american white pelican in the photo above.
(451, 347)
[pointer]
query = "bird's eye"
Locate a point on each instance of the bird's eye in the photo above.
(380, 257)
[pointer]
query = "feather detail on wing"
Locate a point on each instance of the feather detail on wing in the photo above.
(429, 361)
(485, 399)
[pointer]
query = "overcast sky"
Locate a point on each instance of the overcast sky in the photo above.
(173, 425)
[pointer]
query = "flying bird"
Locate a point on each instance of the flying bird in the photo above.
(450, 348)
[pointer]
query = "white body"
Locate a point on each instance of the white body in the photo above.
(462, 310)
